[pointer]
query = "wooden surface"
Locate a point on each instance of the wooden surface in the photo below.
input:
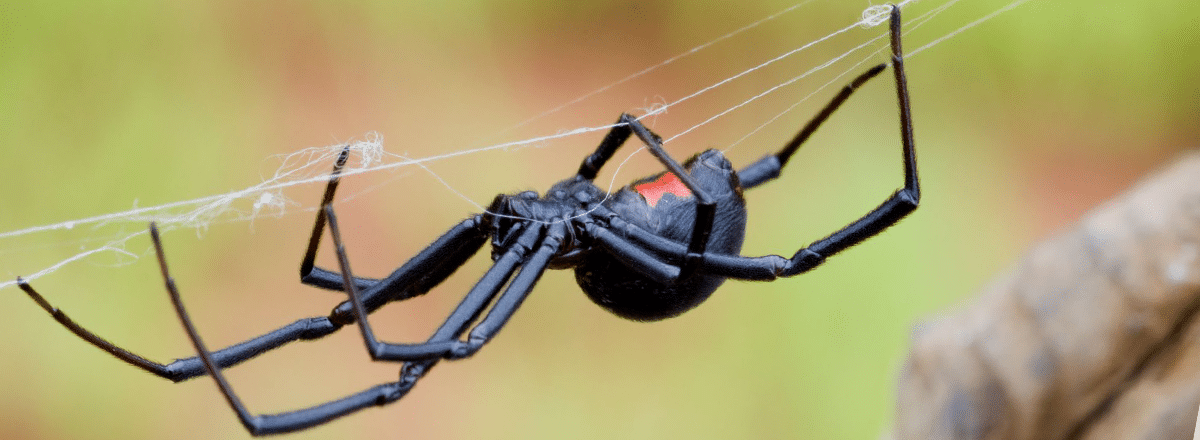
(1091, 335)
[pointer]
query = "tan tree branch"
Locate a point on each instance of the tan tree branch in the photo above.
(1093, 334)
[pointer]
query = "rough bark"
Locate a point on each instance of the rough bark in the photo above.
(1092, 335)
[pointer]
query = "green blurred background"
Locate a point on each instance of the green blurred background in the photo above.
(1023, 124)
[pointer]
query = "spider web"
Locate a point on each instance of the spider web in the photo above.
(311, 166)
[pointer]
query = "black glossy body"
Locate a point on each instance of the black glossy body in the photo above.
(609, 281)
(613, 285)
(637, 254)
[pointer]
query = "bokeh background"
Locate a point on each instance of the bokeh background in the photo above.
(1023, 124)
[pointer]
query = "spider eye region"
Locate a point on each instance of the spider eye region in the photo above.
(666, 183)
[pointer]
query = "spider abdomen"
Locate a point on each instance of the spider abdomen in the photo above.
(659, 205)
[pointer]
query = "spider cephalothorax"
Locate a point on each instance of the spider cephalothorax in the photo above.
(651, 250)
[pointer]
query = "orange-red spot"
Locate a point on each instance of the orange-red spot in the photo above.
(668, 183)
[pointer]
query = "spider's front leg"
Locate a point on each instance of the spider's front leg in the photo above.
(445, 342)
(425, 270)
(310, 274)
(414, 278)
(272, 423)
(419, 274)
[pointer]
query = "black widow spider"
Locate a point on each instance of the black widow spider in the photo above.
(653, 250)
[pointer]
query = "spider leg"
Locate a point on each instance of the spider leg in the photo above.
(283, 422)
(448, 253)
(895, 207)
(309, 273)
(768, 168)
(658, 258)
(612, 141)
(445, 342)
(425, 270)
(652, 255)
(706, 206)
(655, 266)
(517, 291)
(183, 369)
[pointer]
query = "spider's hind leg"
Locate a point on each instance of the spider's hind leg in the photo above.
(616, 137)
(888, 213)
(768, 168)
